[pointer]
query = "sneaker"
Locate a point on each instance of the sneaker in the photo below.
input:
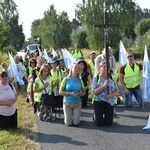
(53, 118)
(137, 105)
(47, 118)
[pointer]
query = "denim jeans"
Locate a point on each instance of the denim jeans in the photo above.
(137, 94)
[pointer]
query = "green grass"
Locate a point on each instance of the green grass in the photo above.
(25, 136)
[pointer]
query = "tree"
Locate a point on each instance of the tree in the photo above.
(4, 39)
(9, 15)
(91, 12)
(142, 27)
(79, 36)
(53, 29)
(76, 24)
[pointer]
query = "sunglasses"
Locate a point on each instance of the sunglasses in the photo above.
(3, 76)
(130, 56)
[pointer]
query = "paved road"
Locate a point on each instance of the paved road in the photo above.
(126, 133)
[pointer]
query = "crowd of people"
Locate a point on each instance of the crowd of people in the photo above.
(70, 88)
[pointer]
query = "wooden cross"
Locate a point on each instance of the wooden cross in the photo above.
(106, 25)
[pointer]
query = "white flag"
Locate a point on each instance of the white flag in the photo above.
(146, 75)
(68, 59)
(46, 55)
(22, 54)
(147, 127)
(15, 70)
(54, 53)
(122, 54)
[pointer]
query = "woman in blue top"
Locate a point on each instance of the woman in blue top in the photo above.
(104, 103)
(72, 89)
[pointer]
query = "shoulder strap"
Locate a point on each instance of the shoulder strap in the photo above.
(98, 79)
(81, 53)
(11, 86)
(43, 84)
(65, 80)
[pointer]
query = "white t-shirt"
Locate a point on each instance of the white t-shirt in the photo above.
(45, 81)
(6, 94)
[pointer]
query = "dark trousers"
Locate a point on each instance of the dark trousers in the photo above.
(103, 113)
(7, 122)
(85, 99)
(59, 102)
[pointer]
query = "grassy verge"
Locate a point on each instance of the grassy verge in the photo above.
(25, 137)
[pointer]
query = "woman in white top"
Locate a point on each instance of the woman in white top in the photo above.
(8, 97)
(9, 72)
(42, 85)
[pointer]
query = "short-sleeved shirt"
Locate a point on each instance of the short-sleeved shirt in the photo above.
(6, 94)
(123, 72)
(44, 91)
(102, 95)
(72, 85)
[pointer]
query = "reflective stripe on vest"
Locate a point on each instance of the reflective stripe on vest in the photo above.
(132, 78)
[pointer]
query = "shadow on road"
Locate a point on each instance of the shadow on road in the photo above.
(56, 138)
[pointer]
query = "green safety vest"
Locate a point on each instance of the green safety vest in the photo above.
(92, 67)
(77, 54)
(132, 78)
(37, 95)
(22, 68)
(30, 81)
(58, 76)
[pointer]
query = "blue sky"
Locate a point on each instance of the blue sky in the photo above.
(29, 10)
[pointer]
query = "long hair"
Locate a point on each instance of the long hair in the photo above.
(84, 63)
(70, 71)
(31, 60)
(44, 66)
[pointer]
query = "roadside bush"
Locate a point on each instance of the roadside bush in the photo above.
(9, 49)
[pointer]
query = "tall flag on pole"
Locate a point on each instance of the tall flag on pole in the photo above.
(45, 55)
(14, 70)
(146, 75)
(54, 53)
(147, 127)
(122, 54)
(68, 59)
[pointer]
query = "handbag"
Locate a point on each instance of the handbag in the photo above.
(47, 99)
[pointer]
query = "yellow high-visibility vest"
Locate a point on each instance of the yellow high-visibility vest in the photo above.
(37, 95)
(132, 78)
(92, 67)
(77, 54)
